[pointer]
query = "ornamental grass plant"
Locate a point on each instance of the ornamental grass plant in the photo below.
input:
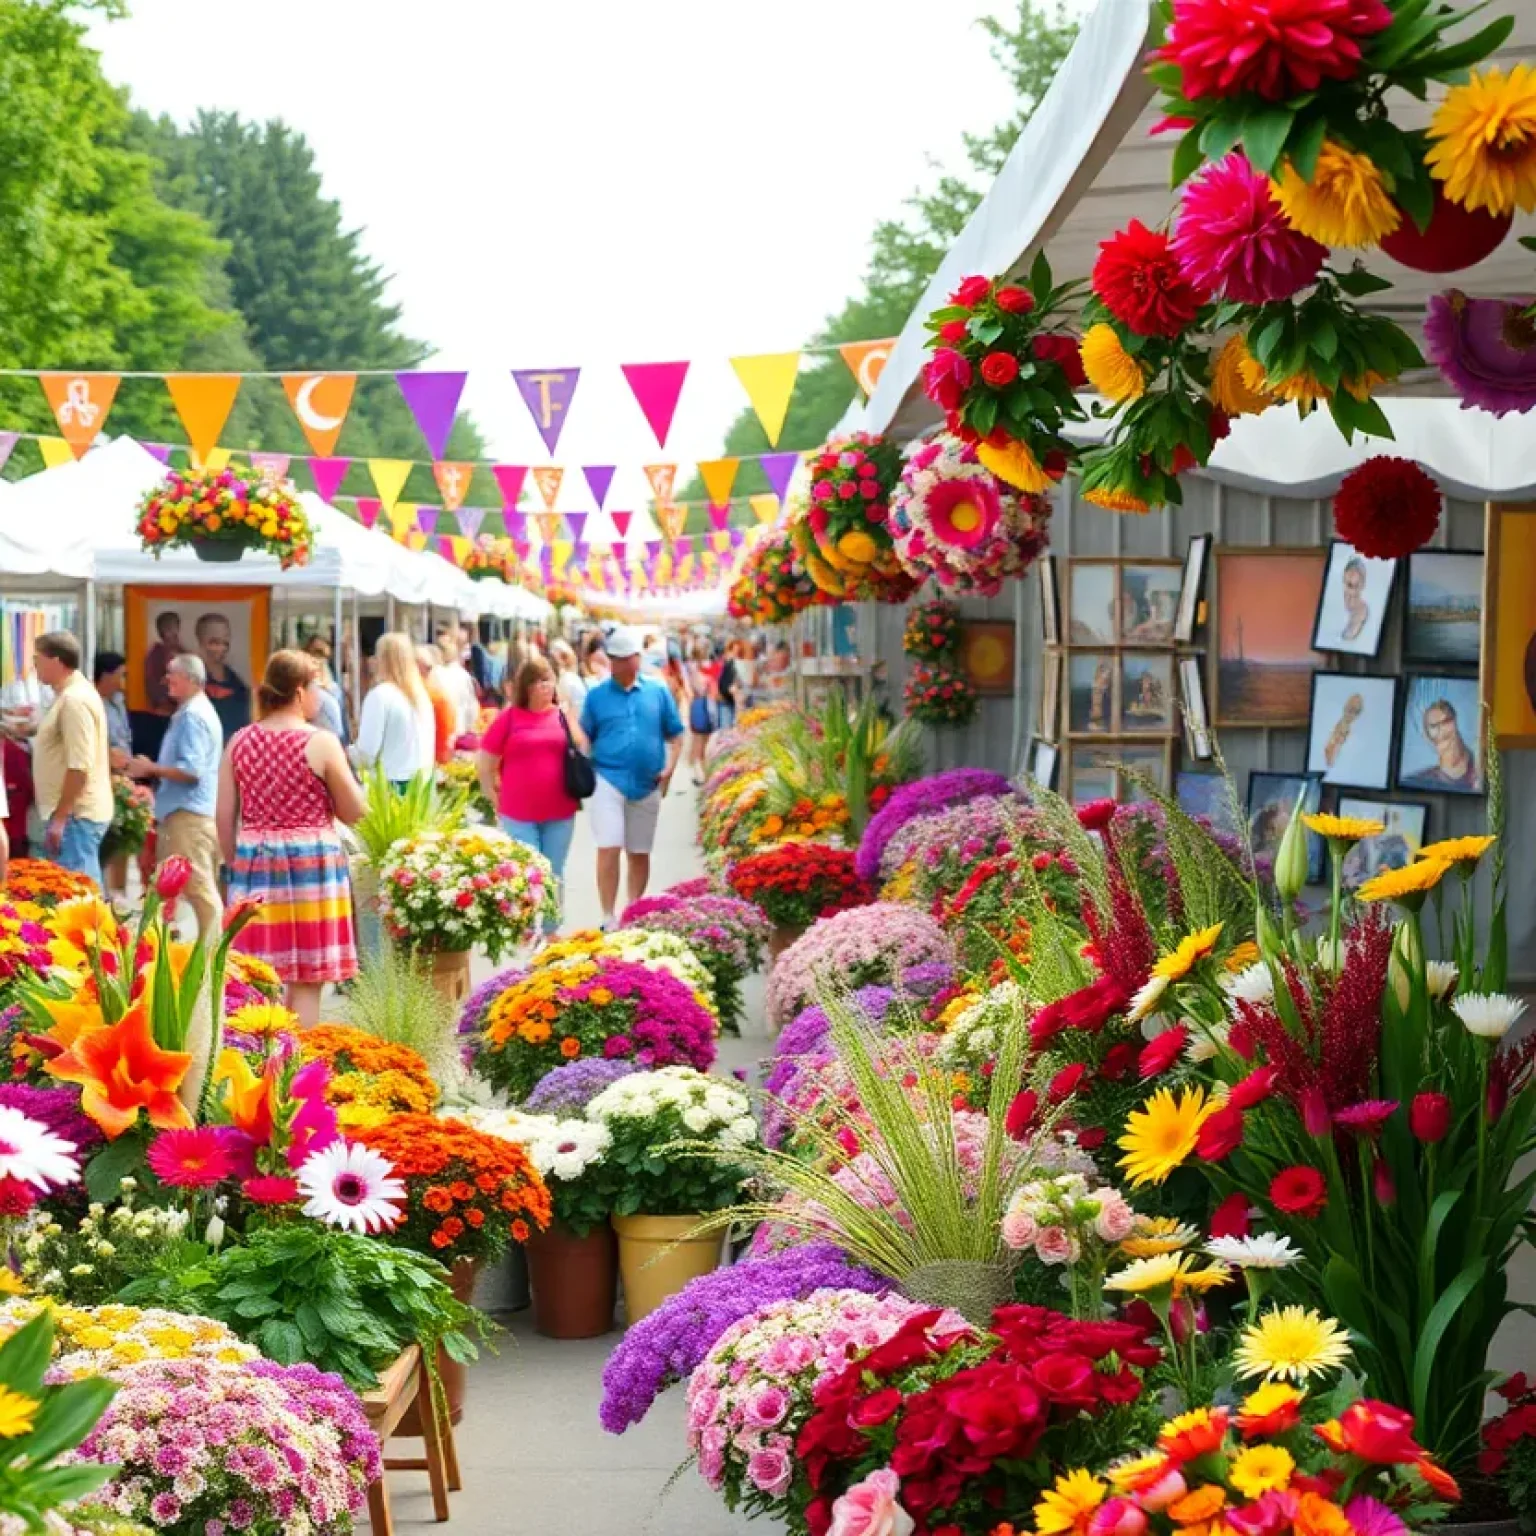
(395, 1000)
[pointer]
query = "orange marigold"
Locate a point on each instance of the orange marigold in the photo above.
(570, 1047)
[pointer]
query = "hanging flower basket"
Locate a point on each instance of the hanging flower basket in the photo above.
(220, 515)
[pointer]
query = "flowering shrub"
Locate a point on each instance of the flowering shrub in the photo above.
(659, 951)
(371, 1080)
(922, 797)
(799, 882)
(933, 630)
(469, 889)
(938, 695)
(201, 506)
(45, 884)
(467, 1193)
(110, 1340)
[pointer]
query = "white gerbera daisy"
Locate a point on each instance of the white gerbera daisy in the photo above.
(1440, 976)
(351, 1186)
(1262, 1251)
(1253, 984)
(1488, 1015)
(30, 1152)
(1147, 998)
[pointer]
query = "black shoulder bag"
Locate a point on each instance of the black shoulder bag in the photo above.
(580, 775)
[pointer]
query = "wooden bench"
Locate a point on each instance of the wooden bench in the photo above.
(402, 1384)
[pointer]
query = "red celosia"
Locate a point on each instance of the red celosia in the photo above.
(1299, 1191)
(1142, 283)
(1386, 508)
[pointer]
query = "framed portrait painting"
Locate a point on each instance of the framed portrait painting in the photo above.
(1265, 602)
(1192, 589)
(1146, 694)
(1272, 801)
(1149, 601)
(1441, 740)
(1403, 824)
(1092, 704)
(1352, 606)
(1509, 657)
(1443, 608)
(1349, 740)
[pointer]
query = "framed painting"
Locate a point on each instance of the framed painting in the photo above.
(1403, 823)
(1146, 693)
(1149, 601)
(1197, 723)
(1092, 702)
(1509, 612)
(988, 651)
(1208, 798)
(1191, 613)
(1352, 606)
(1265, 602)
(1053, 664)
(1093, 602)
(1050, 601)
(1443, 608)
(1440, 744)
(1354, 719)
(1044, 762)
(1272, 801)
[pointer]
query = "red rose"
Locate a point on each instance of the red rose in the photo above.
(971, 292)
(952, 331)
(1063, 351)
(1066, 1379)
(999, 369)
(946, 378)
(876, 1408)
(1015, 301)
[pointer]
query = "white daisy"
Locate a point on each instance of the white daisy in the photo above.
(1440, 975)
(1147, 998)
(1263, 1251)
(1253, 984)
(351, 1186)
(30, 1152)
(1488, 1015)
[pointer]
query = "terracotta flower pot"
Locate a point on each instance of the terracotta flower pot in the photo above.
(781, 939)
(657, 1259)
(461, 1281)
(450, 974)
(575, 1281)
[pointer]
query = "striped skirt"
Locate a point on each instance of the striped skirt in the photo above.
(303, 927)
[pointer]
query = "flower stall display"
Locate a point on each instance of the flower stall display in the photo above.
(42, 883)
(848, 513)
(932, 632)
(798, 882)
(133, 814)
(221, 514)
(371, 1081)
(668, 952)
(938, 695)
(919, 798)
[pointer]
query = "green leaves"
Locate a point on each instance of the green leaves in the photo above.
(1265, 130)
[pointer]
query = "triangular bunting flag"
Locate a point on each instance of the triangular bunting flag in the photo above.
(368, 509)
(55, 452)
(329, 473)
(321, 402)
(402, 519)
(458, 550)
(426, 518)
(218, 459)
(576, 522)
(415, 539)
(720, 540)
(161, 451)
(765, 506)
(273, 466)
(453, 481)
(560, 552)
(547, 393)
(619, 553)
(769, 381)
(389, 477)
(549, 527)
(779, 469)
(656, 387)
(719, 475)
(509, 480)
(599, 478)
(548, 477)
(434, 401)
(866, 360)
(662, 477)
(8, 441)
(621, 522)
(445, 548)
(80, 402)
(203, 401)
(652, 548)
(469, 519)
(670, 519)
(720, 517)
(517, 526)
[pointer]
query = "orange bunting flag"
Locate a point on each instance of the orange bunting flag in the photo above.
(765, 507)
(548, 477)
(321, 402)
(866, 360)
(671, 519)
(203, 401)
(453, 481)
(719, 475)
(549, 526)
(389, 477)
(769, 381)
(80, 402)
(663, 478)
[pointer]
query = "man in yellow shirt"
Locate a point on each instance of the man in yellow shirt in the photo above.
(70, 763)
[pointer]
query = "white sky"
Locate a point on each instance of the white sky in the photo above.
(588, 182)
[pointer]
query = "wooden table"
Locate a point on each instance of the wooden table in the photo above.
(400, 1385)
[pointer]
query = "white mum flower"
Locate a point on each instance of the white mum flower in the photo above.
(1262, 1251)
(1253, 984)
(1488, 1015)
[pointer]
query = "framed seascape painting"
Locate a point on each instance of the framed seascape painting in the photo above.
(1352, 606)
(1265, 602)
(1443, 608)
(1509, 663)
(1403, 824)
(1272, 801)
(1093, 602)
(1050, 601)
(1149, 602)
(1349, 740)
(1207, 797)
(1192, 589)
(1441, 742)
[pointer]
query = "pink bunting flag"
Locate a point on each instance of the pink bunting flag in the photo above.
(720, 517)
(621, 522)
(273, 466)
(434, 402)
(599, 478)
(619, 551)
(368, 509)
(470, 519)
(547, 393)
(8, 441)
(509, 481)
(445, 549)
(426, 518)
(779, 469)
(328, 473)
(656, 387)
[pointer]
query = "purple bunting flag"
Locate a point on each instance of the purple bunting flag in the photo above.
(434, 402)
(517, 525)
(161, 451)
(470, 519)
(547, 393)
(779, 469)
(426, 518)
(8, 441)
(652, 548)
(576, 522)
(599, 478)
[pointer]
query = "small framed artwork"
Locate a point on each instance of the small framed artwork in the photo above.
(1092, 709)
(988, 650)
(1152, 762)
(1349, 740)
(1509, 657)
(1192, 589)
(1088, 779)
(1197, 723)
(1441, 742)
(1352, 606)
(1146, 694)
(1149, 602)
(1265, 600)
(1050, 602)
(1093, 595)
(1053, 664)
(1272, 801)
(1043, 762)
(1443, 609)
(1403, 823)
(1208, 798)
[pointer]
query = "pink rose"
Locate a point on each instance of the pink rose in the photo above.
(1115, 1218)
(770, 1470)
(946, 377)
(767, 1407)
(1117, 1517)
(870, 1508)
(1055, 1245)
(1019, 1230)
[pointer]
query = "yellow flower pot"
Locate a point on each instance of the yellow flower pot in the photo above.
(657, 1259)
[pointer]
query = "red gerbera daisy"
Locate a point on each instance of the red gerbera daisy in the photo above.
(1142, 283)
(1299, 1191)
(1386, 508)
(192, 1159)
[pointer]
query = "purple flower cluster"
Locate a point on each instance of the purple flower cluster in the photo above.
(921, 798)
(58, 1109)
(567, 1090)
(666, 1346)
(478, 1003)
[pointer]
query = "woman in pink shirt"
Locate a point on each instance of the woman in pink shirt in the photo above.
(522, 767)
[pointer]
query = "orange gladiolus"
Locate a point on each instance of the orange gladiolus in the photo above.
(121, 1070)
(248, 1098)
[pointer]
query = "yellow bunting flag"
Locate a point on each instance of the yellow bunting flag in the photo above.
(718, 475)
(402, 519)
(389, 477)
(549, 526)
(460, 547)
(721, 541)
(559, 555)
(866, 360)
(55, 452)
(769, 381)
(548, 477)
(203, 401)
(663, 478)
(321, 402)
(453, 481)
(415, 539)
(765, 507)
(80, 402)
(217, 459)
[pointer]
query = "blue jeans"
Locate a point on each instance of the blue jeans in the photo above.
(726, 714)
(553, 840)
(80, 849)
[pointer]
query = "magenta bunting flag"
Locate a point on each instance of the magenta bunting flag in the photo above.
(619, 551)
(547, 393)
(656, 387)
(368, 509)
(599, 478)
(445, 549)
(274, 466)
(520, 548)
(328, 473)
(621, 522)
(509, 481)
(470, 519)
(720, 517)
(576, 522)
(161, 451)
(517, 525)
(779, 468)
(684, 546)
(426, 518)
(434, 402)
(8, 441)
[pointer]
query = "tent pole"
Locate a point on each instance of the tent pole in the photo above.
(355, 642)
(88, 623)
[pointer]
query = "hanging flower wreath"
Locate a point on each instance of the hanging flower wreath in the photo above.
(852, 480)
(220, 515)
(933, 630)
(938, 695)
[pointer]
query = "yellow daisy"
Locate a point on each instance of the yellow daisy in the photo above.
(1485, 141)
(1258, 1468)
(1407, 886)
(1016, 464)
(1162, 1133)
(1070, 1504)
(1158, 1234)
(1140, 1275)
(1192, 949)
(262, 1019)
(1349, 829)
(1237, 381)
(1458, 850)
(18, 1413)
(1346, 202)
(1199, 1281)
(1110, 368)
(1114, 499)
(1290, 1343)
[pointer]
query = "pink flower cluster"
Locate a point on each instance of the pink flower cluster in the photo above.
(1057, 1217)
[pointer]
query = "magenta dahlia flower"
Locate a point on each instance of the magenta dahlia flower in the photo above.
(963, 513)
(1233, 238)
(1485, 350)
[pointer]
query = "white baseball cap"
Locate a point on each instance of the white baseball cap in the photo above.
(621, 643)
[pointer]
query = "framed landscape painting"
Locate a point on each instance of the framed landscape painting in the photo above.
(1265, 603)
(1442, 611)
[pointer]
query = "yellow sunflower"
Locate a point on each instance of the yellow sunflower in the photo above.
(1407, 886)
(1346, 202)
(1192, 949)
(1348, 829)
(18, 1413)
(1485, 141)
(1110, 368)
(1237, 381)
(1162, 1133)
(1070, 1504)
(1458, 850)
(1290, 1344)
(1015, 464)
(1258, 1468)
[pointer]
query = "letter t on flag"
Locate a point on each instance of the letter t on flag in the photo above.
(547, 392)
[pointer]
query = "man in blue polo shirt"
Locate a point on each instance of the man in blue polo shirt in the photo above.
(637, 738)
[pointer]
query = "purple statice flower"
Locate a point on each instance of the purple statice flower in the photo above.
(58, 1109)
(921, 798)
(666, 1346)
(567, 1090)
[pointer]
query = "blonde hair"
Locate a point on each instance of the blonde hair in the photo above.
(395, 662)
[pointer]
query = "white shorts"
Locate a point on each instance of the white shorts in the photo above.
(620, 823)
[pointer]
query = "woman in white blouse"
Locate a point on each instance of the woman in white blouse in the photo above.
(396, 728)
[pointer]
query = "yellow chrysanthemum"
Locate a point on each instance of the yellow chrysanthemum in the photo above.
(1408, 885)
(1162, 1133)
(1015, 464)
(1237, 381)
(1113, 499)
(1192, 949)
(1069, 1505)
(1485, 141)
(1141, 1275)
(1110, 368)
(1344, 828)
(1258, 1468)
(1303, 391)
(263, 1019)
(1458, 850)
(1346, 202)
(1158, 1234)
(18, 1413)
(1290, 1344)
(1243, 955)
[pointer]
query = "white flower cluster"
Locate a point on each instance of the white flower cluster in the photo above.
(976, 1035)
(708, 1107)
(454, 888)
(662, 952)
(58, 1260)
(560, 1149)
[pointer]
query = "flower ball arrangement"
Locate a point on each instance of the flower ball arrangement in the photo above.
(795, 883)
(848, 513)
(207, 508)
(956, 521)
(938, 695)
(473, 888)
(774, 585)
(1387, 507)
(933, 630)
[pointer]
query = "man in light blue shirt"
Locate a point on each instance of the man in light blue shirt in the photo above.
(637, 738)
(187, 789)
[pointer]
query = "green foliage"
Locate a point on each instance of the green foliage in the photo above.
(395, 999)
(395, 813)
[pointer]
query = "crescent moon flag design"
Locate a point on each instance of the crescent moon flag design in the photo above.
(321, 402)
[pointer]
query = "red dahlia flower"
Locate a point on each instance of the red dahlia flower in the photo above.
(1015, 301)
(1143, 284)
(1064, 352)
(1299, 1191)
(1386, 508)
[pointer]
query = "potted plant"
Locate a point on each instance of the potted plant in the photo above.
(659, 1184)
(796, 883)
(221, 515)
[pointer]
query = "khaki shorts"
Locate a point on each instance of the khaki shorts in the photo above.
(196, 838)
(621, 823)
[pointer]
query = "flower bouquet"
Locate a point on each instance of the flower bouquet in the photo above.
(933, 630)
(798, 882)
(773, 586)
(456, 891)
(371, 1081)
(221, 515)
(133, 814)
(936, 695)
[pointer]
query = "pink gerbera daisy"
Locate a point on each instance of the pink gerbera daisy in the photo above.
(192, 1159)
(1367, 1117)
(964, 512)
